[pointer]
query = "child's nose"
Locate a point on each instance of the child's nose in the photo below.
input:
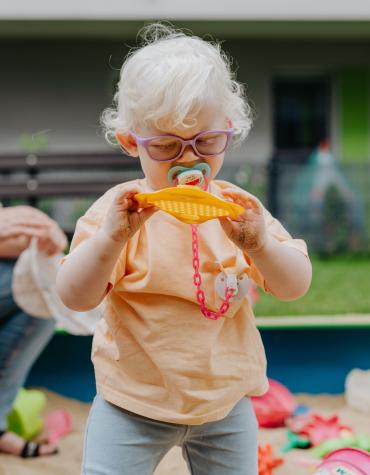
(188, 155)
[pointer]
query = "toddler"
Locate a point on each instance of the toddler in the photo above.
(172, 368)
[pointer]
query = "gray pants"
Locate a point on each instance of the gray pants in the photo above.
(118, 442)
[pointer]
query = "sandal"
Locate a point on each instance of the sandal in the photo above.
(30, 449)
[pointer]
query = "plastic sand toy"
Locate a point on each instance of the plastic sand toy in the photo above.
(295, 441)
(266, 460)
(347, 461)
(358, 441)
(189, 204)
(318, 428)
(273, 407)
(25, 417)
(57, 424)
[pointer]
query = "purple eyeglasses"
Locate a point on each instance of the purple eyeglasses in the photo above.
(168, 148)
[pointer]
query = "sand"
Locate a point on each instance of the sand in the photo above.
(69, 459)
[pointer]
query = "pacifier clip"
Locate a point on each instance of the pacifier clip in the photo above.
(229, 292)
(197, 176)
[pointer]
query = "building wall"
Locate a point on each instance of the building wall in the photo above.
(54, 88)
(234, 9)
(57, 88)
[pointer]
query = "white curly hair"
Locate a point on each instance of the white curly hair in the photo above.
(168, 80)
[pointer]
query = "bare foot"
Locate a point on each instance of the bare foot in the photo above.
(11, 443)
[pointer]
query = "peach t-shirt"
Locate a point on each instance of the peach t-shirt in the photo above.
(153, 351)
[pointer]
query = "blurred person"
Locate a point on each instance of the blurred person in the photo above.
(172, 368)
(22, 337)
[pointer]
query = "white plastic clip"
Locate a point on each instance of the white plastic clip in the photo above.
(232, 283)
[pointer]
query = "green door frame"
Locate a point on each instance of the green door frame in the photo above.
(354, 106)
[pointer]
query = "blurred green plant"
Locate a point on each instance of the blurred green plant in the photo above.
(33, 143)
(336, 223)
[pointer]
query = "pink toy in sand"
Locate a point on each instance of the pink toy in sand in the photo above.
(318, 428)
(57, 424)
(348, 461)
(274, 406)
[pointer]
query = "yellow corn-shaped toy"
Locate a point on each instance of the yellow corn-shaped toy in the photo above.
(189, 204)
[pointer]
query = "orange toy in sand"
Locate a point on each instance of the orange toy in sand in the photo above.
(267, 461)
(189, 204)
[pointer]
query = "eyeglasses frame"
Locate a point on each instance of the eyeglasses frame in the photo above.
(144, 141)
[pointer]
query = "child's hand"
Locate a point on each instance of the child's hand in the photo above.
(124, 217)
(247, 231)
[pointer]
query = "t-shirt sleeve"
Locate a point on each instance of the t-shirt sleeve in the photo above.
(87, 226)
(276, 230)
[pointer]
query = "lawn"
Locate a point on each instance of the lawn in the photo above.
(340, 285)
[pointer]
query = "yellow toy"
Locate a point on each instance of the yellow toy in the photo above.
(189, 204)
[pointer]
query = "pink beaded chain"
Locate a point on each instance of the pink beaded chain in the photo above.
(198, 282)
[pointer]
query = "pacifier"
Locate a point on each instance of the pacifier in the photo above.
(193, 176)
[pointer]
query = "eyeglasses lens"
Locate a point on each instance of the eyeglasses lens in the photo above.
(164, 149)
(212, 143)
(167, 148)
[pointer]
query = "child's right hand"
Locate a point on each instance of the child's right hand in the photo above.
(124, 216)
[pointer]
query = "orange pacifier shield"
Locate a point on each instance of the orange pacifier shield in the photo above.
(189, 204)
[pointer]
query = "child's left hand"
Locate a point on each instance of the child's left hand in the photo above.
(247, 231)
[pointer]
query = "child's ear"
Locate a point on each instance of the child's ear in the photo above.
(128, 143)
(229, 124)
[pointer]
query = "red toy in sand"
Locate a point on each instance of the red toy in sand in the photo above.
(274, 406)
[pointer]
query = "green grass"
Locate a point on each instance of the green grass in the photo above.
(340, 285)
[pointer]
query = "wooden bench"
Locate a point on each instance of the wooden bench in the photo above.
(30, 178)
